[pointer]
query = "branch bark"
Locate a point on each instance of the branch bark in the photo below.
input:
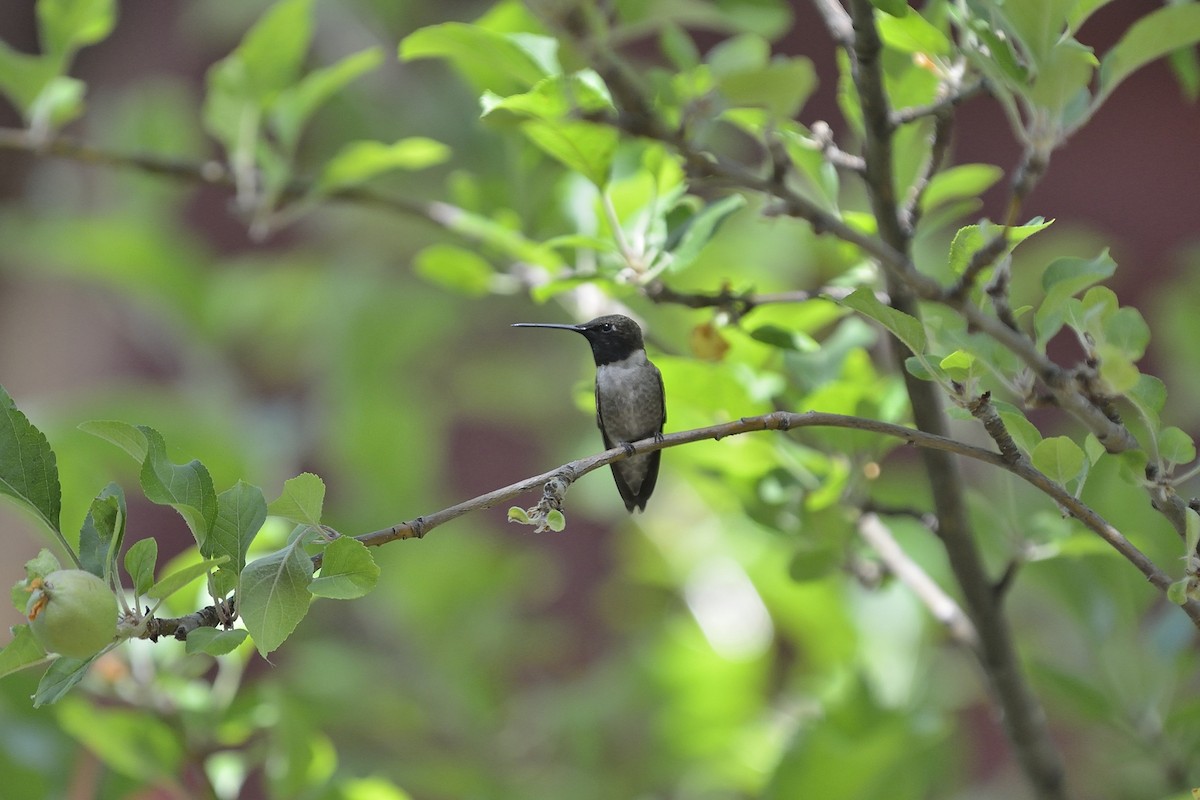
(1022, 713)
(775, 421)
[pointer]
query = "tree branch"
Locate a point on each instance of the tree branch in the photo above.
(775, 421)
(1023, 716)
(941, 605)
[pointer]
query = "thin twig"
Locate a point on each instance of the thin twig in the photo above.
(903, 116)
(942, 606)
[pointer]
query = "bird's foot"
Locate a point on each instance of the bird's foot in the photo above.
(628, 448)
(658, 436)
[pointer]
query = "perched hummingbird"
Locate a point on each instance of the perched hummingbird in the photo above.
(630, 402)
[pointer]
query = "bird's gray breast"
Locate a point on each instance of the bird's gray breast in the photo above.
(629, 394)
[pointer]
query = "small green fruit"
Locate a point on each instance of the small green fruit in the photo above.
(72, 613)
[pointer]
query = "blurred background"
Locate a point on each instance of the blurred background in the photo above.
(668, 656)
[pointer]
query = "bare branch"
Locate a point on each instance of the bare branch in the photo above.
(783, 421)
(941, 605)
(903, 116)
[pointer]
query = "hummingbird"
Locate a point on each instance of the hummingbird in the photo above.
(630, 400)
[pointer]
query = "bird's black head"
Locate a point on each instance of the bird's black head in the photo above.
(613, 337)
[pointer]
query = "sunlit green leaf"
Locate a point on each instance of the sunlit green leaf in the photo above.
(358, 162)
(347, 570)
(972, 238)
(455, 268)
(586, 147)
(66, 25)
(301, 499)
(955, 183)
(501, 63)
(912, 33)
(177, 580)
(140, 561)
(1176, 446)
(274, 596)
(906, 328)
(1059, 458)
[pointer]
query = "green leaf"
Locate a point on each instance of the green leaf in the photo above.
(28, 471)
(912, 33)
(971, 238)
(556, 520)
(1151, 37)
(1177, 591)
(22, 652)
(23, 77)
(214, 642)
(59, 102)
(62, 676)
(241, 512)
(297, 103)
(1023, 432)
(585, 147)
(743, 53)
(921, 369)
(455, 268)
(271, 54)
(140, 561)
(301, 500)
(956, 183)
(1038, 24)
(959, 365)
(519, 515)
(781, 87)
(1063, 76)
(1126, 331)
(906, 328)
(1064, 278)
(1059, 458)
(897, 8)
(67, 25)
(557, 98)
(347, 570)
(678, 46)
(103, 531)
(181, 578)
(814, 560)
(496, 62)
(125, 436)
(699, 229)
(1176, 446)
(40, 566)
(129, 741)
(1191, 538)
(359, 162)
(187, 487)
(785, 339)
(274, 596)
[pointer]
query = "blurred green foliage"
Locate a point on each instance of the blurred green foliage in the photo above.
(736, 640)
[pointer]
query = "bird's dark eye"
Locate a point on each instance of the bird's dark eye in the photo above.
(606, 327)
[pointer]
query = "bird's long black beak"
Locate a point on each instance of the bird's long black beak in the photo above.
(576, 328)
